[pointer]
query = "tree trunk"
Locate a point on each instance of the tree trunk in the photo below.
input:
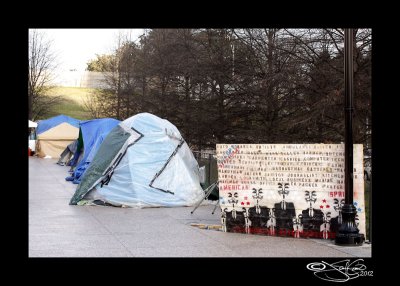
(119, 96)
(187, 108)
(143, 86)
(272, 98)
(221, 116)
(30, 106)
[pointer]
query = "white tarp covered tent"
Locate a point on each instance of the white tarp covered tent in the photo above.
(143, 162)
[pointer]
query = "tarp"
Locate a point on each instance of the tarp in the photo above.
(63, 131)
(32, 124)
(47, 124)
(143, 162)
(54, 135)
(93, 133)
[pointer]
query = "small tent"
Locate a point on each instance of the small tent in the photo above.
(143, 162)
(32, 124)
(91, 135)
(32, 134)
(54, 135)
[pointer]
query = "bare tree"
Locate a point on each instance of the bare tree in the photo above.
(116, 99)
(41, 73)
(92, 103)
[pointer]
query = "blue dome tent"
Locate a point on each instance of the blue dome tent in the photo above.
(91, 135)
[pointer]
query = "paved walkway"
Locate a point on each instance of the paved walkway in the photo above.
(57, 229)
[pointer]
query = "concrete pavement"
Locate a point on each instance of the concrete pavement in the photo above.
(57, 229)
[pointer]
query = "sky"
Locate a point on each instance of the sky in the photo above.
(75, 47)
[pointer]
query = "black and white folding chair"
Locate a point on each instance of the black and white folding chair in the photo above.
(207, 193)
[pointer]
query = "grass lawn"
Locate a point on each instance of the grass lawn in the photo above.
(72, 103)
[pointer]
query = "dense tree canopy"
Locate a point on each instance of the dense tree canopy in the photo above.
(239, 85)
(102, 63)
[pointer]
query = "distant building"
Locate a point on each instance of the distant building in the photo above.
(74, 78)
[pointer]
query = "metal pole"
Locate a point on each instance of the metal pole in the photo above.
(349, 109)
(209, 168)
(370, 208)
(348, 233)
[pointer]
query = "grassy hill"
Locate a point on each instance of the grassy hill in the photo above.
(72, 103)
